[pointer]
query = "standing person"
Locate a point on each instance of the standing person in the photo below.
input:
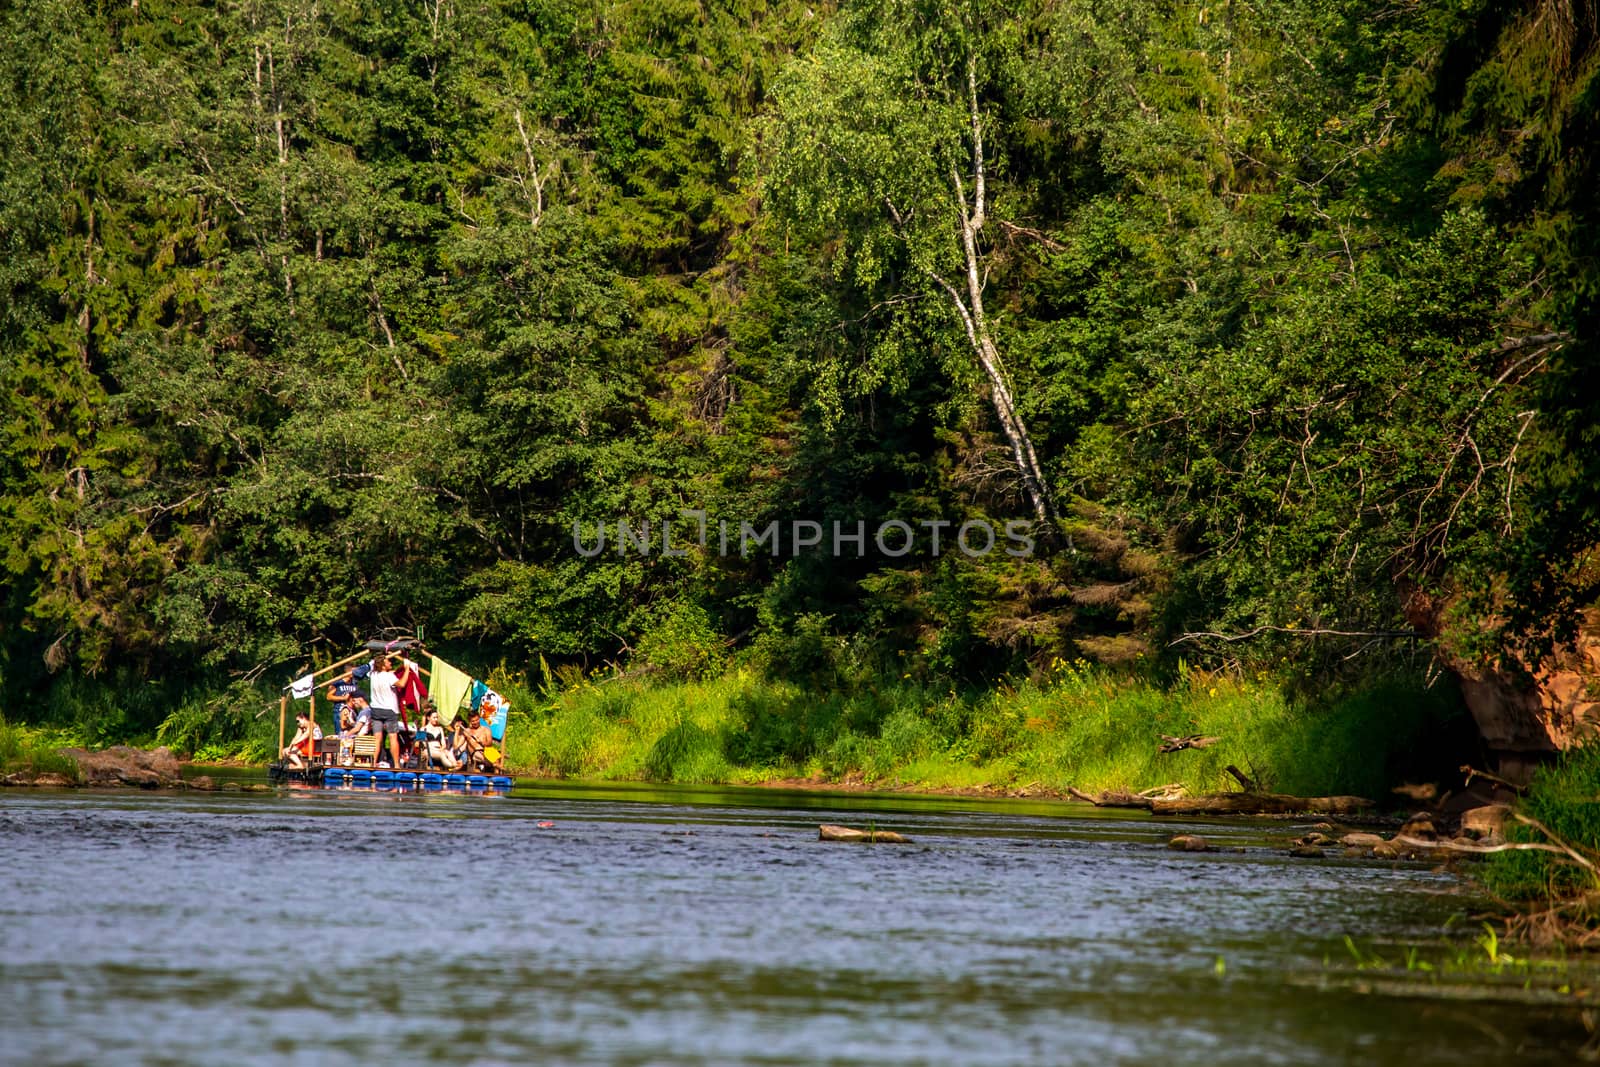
(340, 690)
(385, 702)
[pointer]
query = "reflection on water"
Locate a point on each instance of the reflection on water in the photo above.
(672, 926)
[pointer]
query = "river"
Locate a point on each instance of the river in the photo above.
(624, 925)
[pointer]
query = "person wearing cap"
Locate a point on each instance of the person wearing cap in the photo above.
(340, 690)
(354, 721)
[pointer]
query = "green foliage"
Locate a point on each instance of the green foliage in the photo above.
(686, 753)
(321, 319)
(682, 643)
(232, 725)
(23, 751)
(1563, 798)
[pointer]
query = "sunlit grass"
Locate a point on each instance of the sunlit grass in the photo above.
(28, 751)
(1077, 727)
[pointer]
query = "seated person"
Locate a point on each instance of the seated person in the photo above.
(480, 747)
(299, 750)
(431, 737)
(493, 712)
(462, 741)
(354, 721)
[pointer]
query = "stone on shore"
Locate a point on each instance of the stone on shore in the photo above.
(120, 765)
(1487, 821)
(48, 780)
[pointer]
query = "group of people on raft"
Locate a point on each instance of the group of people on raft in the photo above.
(468, 743)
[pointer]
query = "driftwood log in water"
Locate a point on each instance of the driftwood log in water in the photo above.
(1259, 804)
(829, 832)
(1111, 798)
(1122, 798)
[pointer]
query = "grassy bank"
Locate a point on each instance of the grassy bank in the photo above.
(33, 752)
(1561, 896)
(1078, 727)
(1074, 726)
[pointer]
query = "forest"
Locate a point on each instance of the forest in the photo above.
(1270, 325)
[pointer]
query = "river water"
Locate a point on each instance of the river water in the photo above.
(648, 926)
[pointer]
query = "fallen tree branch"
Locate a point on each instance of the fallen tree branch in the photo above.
(1587, 864)
(1244, 780)
(1259, 804)
(1451, 846)
(830, 832)
(1113, 798)
(1295, 631)
(1472, 772)
(1178, 744)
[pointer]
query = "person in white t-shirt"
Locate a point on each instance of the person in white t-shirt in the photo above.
(384, 684)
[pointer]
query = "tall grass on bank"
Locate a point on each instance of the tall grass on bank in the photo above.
(1079, 727)
(1073, 726)
(31, 752)
(1565, 798)
(237, 721)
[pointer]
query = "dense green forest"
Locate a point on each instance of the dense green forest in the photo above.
(323, 318)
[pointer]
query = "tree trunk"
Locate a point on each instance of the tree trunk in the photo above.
(970, 220)
(1260, 804)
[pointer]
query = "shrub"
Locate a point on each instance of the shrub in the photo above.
(681, 642)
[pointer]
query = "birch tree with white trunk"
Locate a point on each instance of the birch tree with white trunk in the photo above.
(877, 151)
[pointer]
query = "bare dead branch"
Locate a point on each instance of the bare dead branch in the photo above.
(1196, 635)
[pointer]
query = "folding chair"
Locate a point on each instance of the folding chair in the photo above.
(364, 751)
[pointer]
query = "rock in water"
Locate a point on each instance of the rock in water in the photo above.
(1419, 825)
(1360, 840)
(1189, 843)
(829, 832)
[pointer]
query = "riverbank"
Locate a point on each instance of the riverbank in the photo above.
(1075, 728)
(1071, 728)
(1552, 873)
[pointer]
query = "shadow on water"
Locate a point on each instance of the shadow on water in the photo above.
(624, 923)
